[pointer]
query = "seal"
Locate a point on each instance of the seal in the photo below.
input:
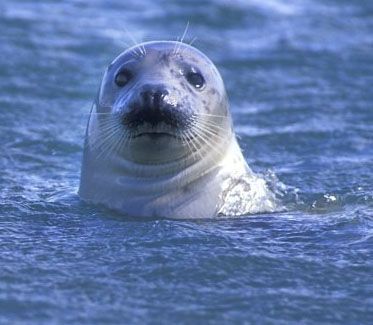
(160, 139)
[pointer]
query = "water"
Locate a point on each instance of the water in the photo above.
(299, 76)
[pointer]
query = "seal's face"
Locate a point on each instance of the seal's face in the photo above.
(161, 96)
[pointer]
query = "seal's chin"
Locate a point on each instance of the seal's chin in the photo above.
(152, 146)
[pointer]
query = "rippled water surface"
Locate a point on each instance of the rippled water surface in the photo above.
(299, 76)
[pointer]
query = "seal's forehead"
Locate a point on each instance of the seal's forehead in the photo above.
(161, 51)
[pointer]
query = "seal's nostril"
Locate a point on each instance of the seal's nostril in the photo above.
(153, 98)
(158, 98)
(147, 97)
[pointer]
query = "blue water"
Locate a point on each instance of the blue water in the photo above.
(299, 76)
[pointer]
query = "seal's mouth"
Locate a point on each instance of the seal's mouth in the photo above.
(170, 116)
(156, 124)
(155, 135)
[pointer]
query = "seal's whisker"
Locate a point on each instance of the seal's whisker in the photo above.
(108, 126)
(198, 138)
(123, 141)
(101, 144)
(193, 40)
(211, 124)
(117, 142)
(196, 147)
(204, 145)
(185, 32)
(183, 36)
(104, 128)
(190, 43)
(197, 150)
(128, 139)
(105, 134)
(135, 42)
(222, 127)
(207, 129)
(134, 54)
(212, 128)
(97, 145)
(174, 52)
(107, 129)
(113, 146)
(213, 146)
(185, 140)
(204, 137)
(93, 113)
(106, 119)
(104, 115)
(180, 42)
(212, 115)
(203, 119)
(191, 143)
(120, 142)
(109, 151)
(109, 148)
(211, 132)
(143, 49)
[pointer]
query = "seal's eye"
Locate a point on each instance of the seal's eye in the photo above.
(123, 77)
(195, 79)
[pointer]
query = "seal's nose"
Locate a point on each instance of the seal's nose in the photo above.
(153, 97)
(153, 105)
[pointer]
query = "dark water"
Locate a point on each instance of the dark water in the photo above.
(299, 74)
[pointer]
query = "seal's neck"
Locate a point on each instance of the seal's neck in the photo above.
(169, 190)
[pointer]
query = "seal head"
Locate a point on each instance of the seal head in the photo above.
(158, 94)
(160, 140)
